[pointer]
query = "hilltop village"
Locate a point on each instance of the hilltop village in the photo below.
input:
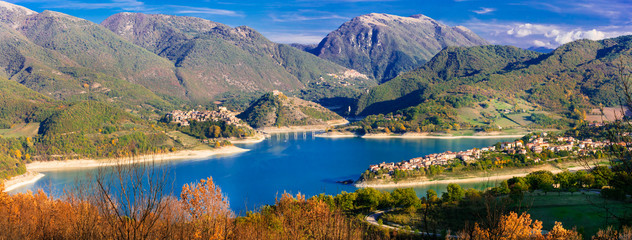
(535, 145)
(184, 118)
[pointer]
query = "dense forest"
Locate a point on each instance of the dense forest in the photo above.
(567, 82)
(216, 129)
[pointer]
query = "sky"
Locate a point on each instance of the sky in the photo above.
(522, 23)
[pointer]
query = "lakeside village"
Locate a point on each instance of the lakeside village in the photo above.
(536, 144)
(184, 118)
(211, 127)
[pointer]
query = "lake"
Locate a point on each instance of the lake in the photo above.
(290, 163)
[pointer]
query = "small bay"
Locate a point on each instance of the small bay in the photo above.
(293, 163)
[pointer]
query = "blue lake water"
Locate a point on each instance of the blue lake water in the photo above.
(290, 163)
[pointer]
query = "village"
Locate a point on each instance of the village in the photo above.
(184, 118)
(536, 144)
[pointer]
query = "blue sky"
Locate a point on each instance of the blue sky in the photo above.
(522, 23)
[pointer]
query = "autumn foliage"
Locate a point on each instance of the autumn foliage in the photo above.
(202, 212)
(514, 227)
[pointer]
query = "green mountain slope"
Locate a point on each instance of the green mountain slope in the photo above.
(19, 104)
(281, 111)
(72, 59)
(577, 74)
(450, 67)
(212, 58)
(383, 45)
(92, 46)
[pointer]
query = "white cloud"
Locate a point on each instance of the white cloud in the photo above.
(206, 11)
(539, 43)
(484, 10)
(542, 35)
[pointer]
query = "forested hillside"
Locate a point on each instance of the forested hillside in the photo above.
(576, 76)
(213, 58)
(276, 109)
(67, 58)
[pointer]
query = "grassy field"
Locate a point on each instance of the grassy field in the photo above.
(21, 130)
(585, 211)
(520, 118)
(188, 141)
(506, 123)
(470, 115)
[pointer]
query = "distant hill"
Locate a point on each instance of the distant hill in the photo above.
(576, 75)
(212, 58)
(383, 45)
(541, 49)
(279, 110)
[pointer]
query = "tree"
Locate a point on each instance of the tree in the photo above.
(565, 179)
(367, 198)
(602, 175)
(514, 227)
(207, 208)
(453, 193)
(405, 197)
(431, 195)
(345, 200)
(130, 197)
(217, 131)
(542, 180)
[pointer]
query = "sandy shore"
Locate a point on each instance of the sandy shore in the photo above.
(91, 163)
(427, 136)
(411, 136)
(18, 181)
(272, 130)
(250, 140)
(494, 178)
(337, 135)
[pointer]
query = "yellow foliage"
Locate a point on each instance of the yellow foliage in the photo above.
(514, 227)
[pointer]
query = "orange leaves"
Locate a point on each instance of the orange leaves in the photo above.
(297, 218)
(514, 227)
(208, 209)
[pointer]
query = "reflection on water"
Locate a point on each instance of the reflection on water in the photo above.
(291, 163)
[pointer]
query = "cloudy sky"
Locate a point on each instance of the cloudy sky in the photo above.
(525, 23)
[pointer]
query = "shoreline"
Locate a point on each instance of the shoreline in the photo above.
(412, 136)
(250, 140)
(27, 178)
(426, 136)
(460, 180)
(92, 163)
(305, 128)
(337, 135)
(33, 169)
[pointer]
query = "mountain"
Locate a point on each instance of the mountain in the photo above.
(213, 58)
(541, 49)
(279, 110)
(13, 15)
(68, 58)
(578, 75)
(383, 45)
